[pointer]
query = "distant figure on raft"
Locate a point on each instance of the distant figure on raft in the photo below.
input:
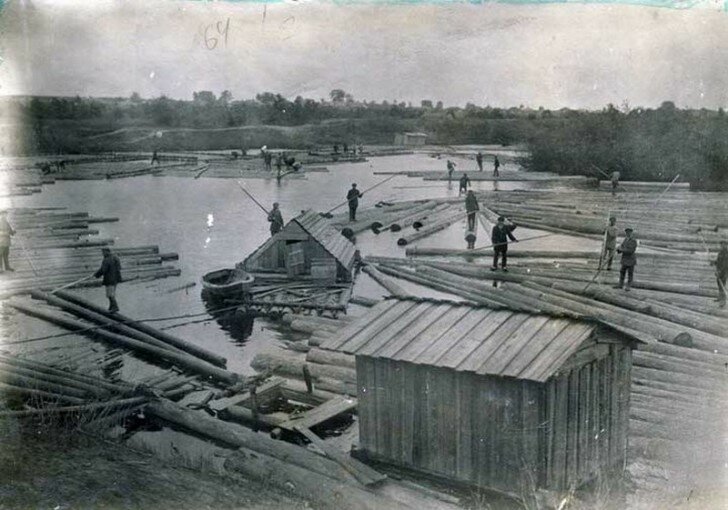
(472, 208)
(479, 161)
(496, 166)
(155, 158)
(470, 238)
(499, 238)
(5, 232)
(111, 271)
(352, 198)
(610, 243)
(721, 272)
(628, 249)
(276, 219)
(464, 183)
(450, 169)
(615, 182)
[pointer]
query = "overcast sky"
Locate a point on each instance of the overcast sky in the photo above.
(502, 55)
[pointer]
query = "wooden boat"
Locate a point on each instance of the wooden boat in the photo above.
(227, 282)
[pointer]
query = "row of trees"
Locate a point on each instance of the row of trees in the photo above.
(643, 144)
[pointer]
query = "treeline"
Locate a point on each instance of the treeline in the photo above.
(642, 144)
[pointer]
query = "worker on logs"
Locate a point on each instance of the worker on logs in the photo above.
(352, 198)
(479, 161)
(155, 158)
(610, 243)
(450, 169)
(496, 166)
(470, 238)
(615, 182)
(502, 231)
(721, 272)
(472, 208)
(464, 183)
(111, 271)
(276, 219)
(5, 232)
(628, 249)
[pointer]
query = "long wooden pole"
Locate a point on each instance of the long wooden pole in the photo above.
(253, 198)
(328, 213)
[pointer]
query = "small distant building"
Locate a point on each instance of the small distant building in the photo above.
(308, 246)
(491, 398)
(410, 139)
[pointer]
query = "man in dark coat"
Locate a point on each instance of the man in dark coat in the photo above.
(450, 170)
(721, 272)
(6, 231)
(499, 238)
(111, 271)
(479, 160)
(471, 207)
(353, 197)
(496, 166)
(276, 219)
(464, 183)
(628, 250)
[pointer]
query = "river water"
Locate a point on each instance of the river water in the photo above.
(211, 224)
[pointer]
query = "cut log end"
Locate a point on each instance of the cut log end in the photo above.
(401, 241)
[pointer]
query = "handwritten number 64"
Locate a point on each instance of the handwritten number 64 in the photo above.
(216, 31)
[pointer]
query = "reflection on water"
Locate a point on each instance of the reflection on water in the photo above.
(235, 322)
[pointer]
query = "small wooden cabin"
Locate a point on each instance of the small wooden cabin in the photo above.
(492, 398)
(308, 246)
(410, 139)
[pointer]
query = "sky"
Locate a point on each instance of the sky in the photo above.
(550, 55)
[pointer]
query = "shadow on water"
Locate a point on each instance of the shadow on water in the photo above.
(235, 322)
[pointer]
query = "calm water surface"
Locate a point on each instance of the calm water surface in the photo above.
(212, 224)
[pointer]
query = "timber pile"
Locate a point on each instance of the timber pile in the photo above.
(53, 247)
(675, 220)
(21, 181)
(127, 334)
(487, 175)
(114, 169)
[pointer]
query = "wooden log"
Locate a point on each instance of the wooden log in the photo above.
(56, 379)
(294, 367)
(120, 387)
(297, 391)
(110, 324)
(237, 436)
(82, 408)
(166, 338)
(182, 360)
(325, 357)
(428, 230)
(671, 364)
(391, 286)
(16, 379)
(324, 492)
(363, 301)
(36, 393)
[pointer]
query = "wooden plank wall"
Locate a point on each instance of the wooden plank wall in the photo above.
(588, 414)
(478, 429)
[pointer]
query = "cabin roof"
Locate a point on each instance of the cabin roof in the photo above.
(325, 234)
(464, 337)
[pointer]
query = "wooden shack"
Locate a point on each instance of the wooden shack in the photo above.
(308, 247)
(410, 139)
(493, 398)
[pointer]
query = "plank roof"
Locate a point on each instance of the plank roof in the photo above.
(329, 237)
(464, 337)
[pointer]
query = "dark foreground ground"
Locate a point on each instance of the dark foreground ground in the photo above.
(63, 471)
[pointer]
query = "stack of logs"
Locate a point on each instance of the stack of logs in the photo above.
(52, 248)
